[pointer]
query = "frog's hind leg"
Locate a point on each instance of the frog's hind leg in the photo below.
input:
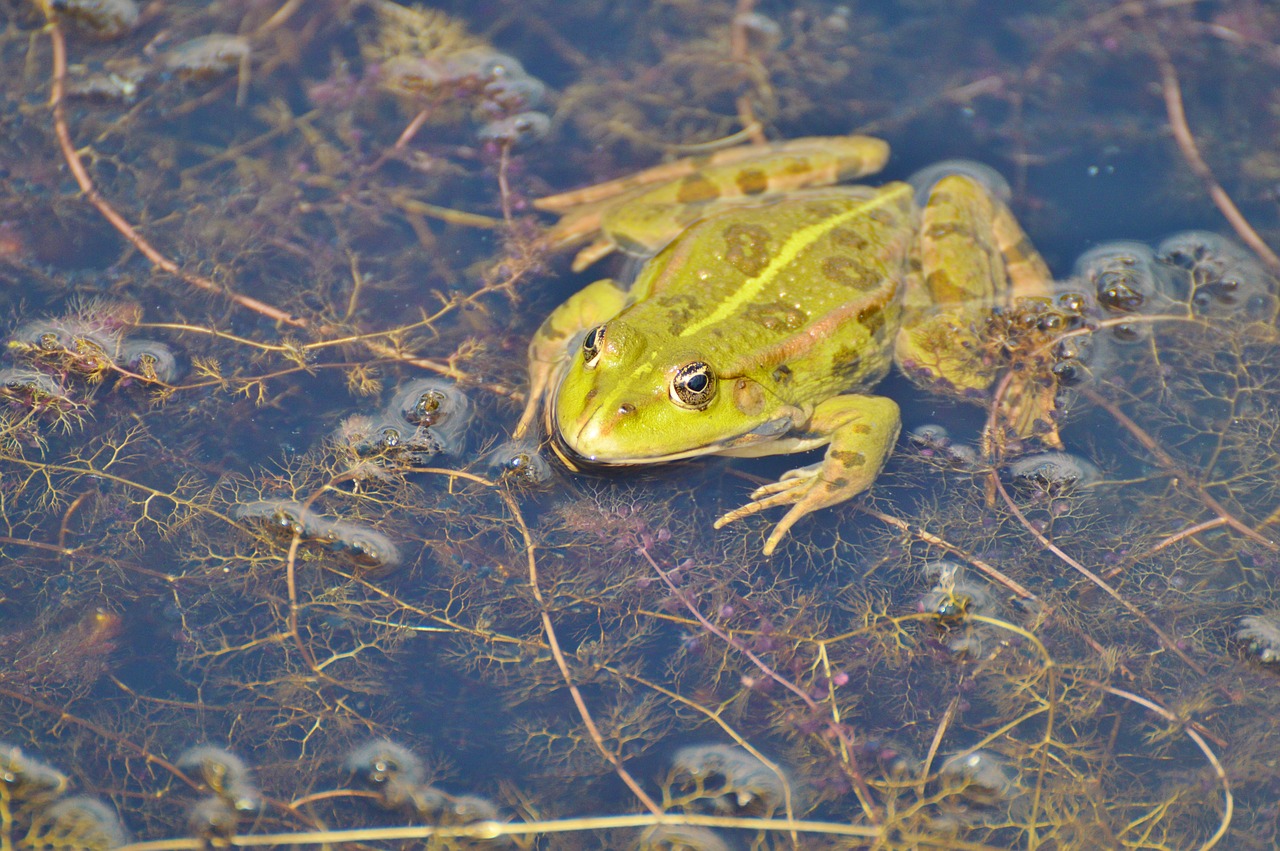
(974, 259)
(960, 280)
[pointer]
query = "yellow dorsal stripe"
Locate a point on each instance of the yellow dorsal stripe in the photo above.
(791, 248)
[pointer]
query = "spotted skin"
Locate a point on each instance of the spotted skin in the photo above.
(794, 305)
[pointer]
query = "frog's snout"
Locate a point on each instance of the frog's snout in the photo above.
(594, 436)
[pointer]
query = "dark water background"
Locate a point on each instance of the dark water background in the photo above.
(215, 553)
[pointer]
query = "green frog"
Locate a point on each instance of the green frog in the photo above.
(772, 307)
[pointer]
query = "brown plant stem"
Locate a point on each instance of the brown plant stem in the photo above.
(57, 103)
(1097, 580)
(1172, 92)
(840, 732)
(1165, 460)
(558, 654)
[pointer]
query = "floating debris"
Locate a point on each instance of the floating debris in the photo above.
(1263, 634)
(150, 359)
(224, 774)
(396, 774)
(519, 462)
(1225, 277)
(207, 56)
(981, 777)
(733, 780)
(1053, 473)
(672, 837)
(103, 18)
(77, 823)
(212, 819)
(1125, 280)
(438, 406)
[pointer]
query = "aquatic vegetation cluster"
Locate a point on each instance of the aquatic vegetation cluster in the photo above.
(38, 814)
(425, 418)
(435, 65)
(60, 362)
(272, 565)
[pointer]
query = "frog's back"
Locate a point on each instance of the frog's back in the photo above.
(810, 282)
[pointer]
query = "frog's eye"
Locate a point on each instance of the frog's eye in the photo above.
(694, 386)
(591, 345)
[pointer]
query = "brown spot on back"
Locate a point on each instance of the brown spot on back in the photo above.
(849, 273)
(818, 210)
(846, 363)
(782, 374)
(752, 181)
(746, 248)
(942, 290)
(943, 229)
(872, 318)
(696, 189)
(776, 316)
(848, 239)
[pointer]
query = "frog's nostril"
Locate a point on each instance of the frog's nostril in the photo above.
(626, 408)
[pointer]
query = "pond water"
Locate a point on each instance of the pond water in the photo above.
(275, 574)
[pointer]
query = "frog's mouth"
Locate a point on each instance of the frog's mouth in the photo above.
(740, 444)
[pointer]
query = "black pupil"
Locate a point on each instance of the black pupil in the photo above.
(696, 382)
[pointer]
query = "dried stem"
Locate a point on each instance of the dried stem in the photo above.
(1165, 639)
(838, 731)
(554, 643)
(1165, 460)
(1172, 92)
(1228, 799)
(57, 90)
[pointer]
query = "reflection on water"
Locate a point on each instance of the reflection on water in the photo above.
(265, 570)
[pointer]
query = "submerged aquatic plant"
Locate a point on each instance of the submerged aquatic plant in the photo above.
(252, 498)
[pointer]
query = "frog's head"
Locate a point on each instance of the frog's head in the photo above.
(627, 399)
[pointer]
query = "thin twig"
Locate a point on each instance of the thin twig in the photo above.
(840, 732)
(1172, 92)
(554, 643)
(927, 537)
(57, 103)
(1165, 639)
(1228, 800)
(1166, 461)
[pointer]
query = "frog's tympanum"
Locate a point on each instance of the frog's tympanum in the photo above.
(771, 309)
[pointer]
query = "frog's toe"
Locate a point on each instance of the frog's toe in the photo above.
(756, 505)
(803, 489)
(768, 496)
(784, 526)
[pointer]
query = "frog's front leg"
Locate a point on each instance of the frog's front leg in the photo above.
(859, 432)
(551, 347)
